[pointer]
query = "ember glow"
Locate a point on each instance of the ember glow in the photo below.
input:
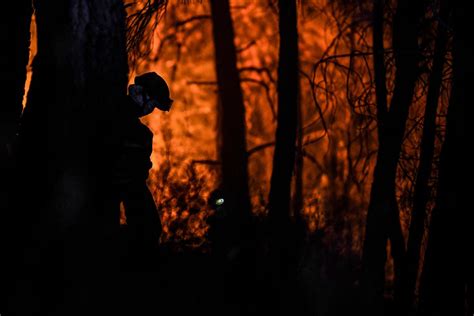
(338, 147)
(314, 178)
(187, 137)
(338, 133)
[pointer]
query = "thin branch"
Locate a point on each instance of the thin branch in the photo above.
(192, 19)
(259, 147)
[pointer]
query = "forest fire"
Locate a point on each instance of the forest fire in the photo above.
(193, 129)
(329, 126)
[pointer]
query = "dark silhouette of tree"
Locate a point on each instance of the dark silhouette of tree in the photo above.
(383, 216)
(233, 151)
(284, 155)
(279, 202)
(405, 293)
(14, 40)
(446, 264)
(79, 76)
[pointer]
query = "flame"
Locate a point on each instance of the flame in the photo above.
(338, 163)
(32, 54)
(183, 53)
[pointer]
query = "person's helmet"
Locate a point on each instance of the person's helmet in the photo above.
(156, 88)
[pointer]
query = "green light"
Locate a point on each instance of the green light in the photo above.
(220, 202)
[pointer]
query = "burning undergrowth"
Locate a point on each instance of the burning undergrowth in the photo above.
(181, 197)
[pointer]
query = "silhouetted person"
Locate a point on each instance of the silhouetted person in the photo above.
(150, 91)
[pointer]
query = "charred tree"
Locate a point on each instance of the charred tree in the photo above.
(233, 151)
(15, 41)
(79, 77)
(383, 216)
(405, 293)
(446, 265)
(234, 234)
(285, 140)
(279, 204)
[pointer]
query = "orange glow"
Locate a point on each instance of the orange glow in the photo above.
(32, 54)
(123, 217)
(183, 53)
(338, 163)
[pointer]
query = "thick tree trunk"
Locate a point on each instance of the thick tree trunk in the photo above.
(284, 156)
(383, 217)
(14, 40)
(445, 272)
(405, 293)
(234, 160)
(233, 151)
(79, 76)
(285, 140)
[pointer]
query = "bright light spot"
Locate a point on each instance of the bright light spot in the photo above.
(219, 202)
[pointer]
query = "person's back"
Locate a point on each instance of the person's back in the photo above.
(135, 146)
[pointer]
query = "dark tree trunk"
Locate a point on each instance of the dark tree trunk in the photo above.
(285, 140)
(405, 293)
(445, 272)
(383, 216)
(15, 41)
(284, 155)
(233, 152)
(234, 162)
(79, 77)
